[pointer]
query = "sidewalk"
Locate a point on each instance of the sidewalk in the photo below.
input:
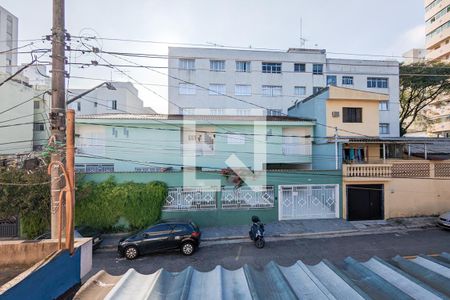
(300, 228)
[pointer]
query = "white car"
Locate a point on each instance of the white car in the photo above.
(444, 220)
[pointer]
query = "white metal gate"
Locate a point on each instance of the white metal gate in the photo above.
(308, 201)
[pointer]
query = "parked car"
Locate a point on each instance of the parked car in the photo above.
(444, 220)
(80, 232)
(166, 235)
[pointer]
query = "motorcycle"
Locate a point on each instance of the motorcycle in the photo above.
(256, 232)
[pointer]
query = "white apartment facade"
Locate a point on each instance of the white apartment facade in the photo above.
(253, 82)
(8, 40)
(437, 30)
(123, 98)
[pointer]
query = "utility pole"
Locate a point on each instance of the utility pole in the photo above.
(336, 147)
(70, 170)
(57, 114)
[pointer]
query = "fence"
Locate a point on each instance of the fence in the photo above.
(182, 198)
(9, 227)
(246, 197)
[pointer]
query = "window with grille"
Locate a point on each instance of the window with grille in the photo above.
(299, 90)
(377, 82)
(299, 68)
(242, 66)
(186, 64)
(271, 90)
(317, 69)
(271, 67)
(243, 90)
(217, 65)
(384, 105)
(352, 114)
(186, 89)
(384, 128)
(217, 89)
(347, 80)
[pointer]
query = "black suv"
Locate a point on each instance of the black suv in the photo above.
(165, 235)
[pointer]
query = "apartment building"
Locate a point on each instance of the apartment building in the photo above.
(8, 40)
(254, 82)
(437, 30)
(117, 97)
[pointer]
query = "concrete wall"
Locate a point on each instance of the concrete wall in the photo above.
(216, 217)
(404, 197)
(24, 253)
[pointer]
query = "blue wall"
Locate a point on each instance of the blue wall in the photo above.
(50, 281)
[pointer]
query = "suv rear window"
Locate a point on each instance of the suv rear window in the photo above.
(194, 226)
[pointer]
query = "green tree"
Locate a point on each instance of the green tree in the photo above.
(28, 196)
(420, 85)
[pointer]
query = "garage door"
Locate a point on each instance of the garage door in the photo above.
(308, 202)
(365, 202)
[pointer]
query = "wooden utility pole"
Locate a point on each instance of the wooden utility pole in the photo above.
(57, 114)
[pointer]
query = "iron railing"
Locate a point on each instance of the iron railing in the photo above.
(246, 197)
(184, 198)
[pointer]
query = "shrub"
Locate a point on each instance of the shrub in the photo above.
(103, 205)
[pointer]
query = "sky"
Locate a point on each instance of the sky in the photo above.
(381, 27)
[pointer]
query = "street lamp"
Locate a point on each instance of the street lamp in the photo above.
(109, 86)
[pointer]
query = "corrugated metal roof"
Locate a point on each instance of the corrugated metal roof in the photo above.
(126, 116)
(423, 277)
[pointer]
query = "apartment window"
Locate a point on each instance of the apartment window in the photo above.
(115, 132)
(217, 111)
(242, 66)
(243, 112)
(377, 82)
(186, 64)
(186, 89)
(271, 67)
(352, 114)
(36, 105)
(242, 90)
(78, 106)
(347, 80)
(384, 105)
(271, 90)
(126, 132)
(317, 69)
(438, 30)
(112, 104)
(217, 89)
(384, 128)
(274, 112)
(317, 89)
(299, 91)
(299, 68)
(331, 80)
(217, 65)
(38, 126)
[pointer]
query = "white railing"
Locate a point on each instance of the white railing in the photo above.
(246, 197)
(182, 198)
(367, 170)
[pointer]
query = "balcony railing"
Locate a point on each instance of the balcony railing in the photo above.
(399, 169)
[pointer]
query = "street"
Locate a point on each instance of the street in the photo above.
(284, 252)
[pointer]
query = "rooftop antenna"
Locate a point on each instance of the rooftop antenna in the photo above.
(302, 40)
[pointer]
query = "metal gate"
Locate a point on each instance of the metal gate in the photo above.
(9, 227)
(308, 201)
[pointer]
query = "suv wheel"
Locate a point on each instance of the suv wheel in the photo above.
(187, 248)
(131, 252)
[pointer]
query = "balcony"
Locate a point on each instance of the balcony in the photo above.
(398, 169)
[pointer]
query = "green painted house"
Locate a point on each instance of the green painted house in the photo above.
(202, 159)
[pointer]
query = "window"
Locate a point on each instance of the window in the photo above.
(242, 66)
(242, 90)
(352, 114)
(95, 104)
(78, 106)
(243, 112)
(377, 82)
(392, 151)
(299, 68)
(112, 104)
(384, 105)
(217, 111)
(317, 69)
(186, 64)
(331, 80)
(271, 67)
(36, 104)
(271, 90)
(299, 90)
(115, 132)
(186, 89)
(217, 65)
(126, 132)
(384, 128)
(438, 30)
(347, 80)
(317, 89)
(235, 139)
(274, 112)
(38, 126)
(216, 89)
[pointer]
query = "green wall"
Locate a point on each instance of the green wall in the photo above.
(219, 217)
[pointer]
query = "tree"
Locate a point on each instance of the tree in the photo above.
(420, 85)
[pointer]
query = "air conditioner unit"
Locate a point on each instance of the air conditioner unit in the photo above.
(335, 114)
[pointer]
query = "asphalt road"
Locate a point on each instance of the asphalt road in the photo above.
(286, 252)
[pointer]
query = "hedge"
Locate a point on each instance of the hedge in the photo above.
(112, 206)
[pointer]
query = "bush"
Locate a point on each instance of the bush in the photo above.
(104, 205)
